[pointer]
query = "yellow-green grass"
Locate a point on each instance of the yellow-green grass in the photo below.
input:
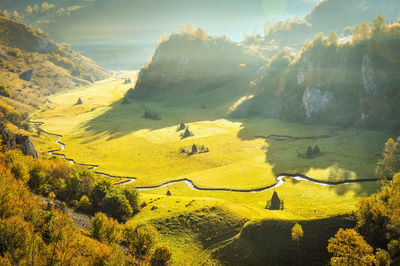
(105, 132)
(193, 225)
(196, 226)
(236, 159)
(44, 143)
(302, 200)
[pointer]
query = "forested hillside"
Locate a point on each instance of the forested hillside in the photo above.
(340, 16)
(355, 83)
(190, 66)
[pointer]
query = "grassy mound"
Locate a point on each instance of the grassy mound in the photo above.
(193, 226)
(268, 242)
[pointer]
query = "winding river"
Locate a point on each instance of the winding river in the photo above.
(280, 179)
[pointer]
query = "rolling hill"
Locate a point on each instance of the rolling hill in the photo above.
(33, 66)
(192, 68)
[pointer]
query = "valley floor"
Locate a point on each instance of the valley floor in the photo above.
(243, 154)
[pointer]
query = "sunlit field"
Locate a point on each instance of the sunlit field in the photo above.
(105, 132)
(199, 132)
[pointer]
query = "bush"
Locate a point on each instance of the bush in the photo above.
(84, 204)
(151, 115)
(141, 239)
(78, 182)
(15, 236)
(390, 162)
(15, 52)
(63, 62)
(37, 180)
(350, 248)
(104, 229)
(18, 166)
(117, 206)
(162, 254)
(100, 190)
(132, 195)
(3, 63)
(4, 91)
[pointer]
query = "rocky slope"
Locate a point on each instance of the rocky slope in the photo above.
(17, 141)
(32, 66)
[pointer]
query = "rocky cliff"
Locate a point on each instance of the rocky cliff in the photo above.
(17, 141)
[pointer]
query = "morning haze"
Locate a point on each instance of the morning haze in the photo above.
(199, 132)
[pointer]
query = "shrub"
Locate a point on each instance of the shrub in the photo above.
(63, 62)
(14, 117)
(104, 229)
(3, 63)
(100, 190)
(141, 239)
(390, 162)
(15, 234)
(162, 254)
(18, 166)
(187, 133)
(37, 179)
(15, 52)
(132, 195)
(4, 91)
(88, 77)
(84, 204)
(78, 182)
(117, 206)
(297, 233)
(151, 115)
(349, 248)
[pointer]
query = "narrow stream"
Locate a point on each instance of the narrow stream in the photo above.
(280, 179)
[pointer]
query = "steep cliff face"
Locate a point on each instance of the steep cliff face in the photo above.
(17, 141)
(187, 68)
(368, 76)
(315, 100)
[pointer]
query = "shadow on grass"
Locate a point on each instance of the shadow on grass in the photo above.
(122, 119)
(348, 154)
(253, 246)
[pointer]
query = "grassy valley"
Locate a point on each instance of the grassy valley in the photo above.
(103, 129)
(215, 152)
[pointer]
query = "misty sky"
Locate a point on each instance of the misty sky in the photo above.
(121, 34)
(150, 18)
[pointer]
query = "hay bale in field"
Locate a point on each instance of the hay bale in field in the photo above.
(79, 102)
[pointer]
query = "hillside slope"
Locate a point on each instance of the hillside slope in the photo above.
(355, 83)
(332, 16)
(191, 68)
(32, 66)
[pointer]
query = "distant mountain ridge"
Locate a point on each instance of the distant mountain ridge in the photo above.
(332, 16)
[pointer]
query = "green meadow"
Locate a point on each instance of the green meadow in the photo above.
(197, 224)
